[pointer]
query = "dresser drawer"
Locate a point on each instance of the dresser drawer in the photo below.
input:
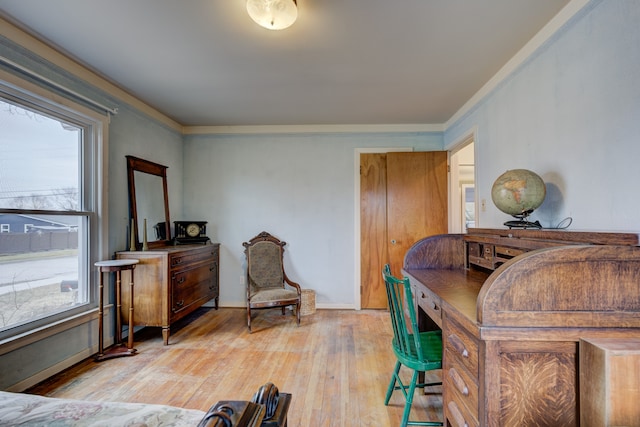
(461, 386)
(205, 253)
(192, 285)
(462, 346)
(431, 305)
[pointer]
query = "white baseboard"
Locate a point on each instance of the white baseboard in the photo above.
(320, 306)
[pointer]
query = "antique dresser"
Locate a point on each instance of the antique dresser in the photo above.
(171, 282)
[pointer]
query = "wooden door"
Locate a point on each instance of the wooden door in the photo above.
(373, 229)
(403, 198)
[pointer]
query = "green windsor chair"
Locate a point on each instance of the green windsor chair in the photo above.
(419, 351)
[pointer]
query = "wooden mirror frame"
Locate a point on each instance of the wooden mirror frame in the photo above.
(135, 164)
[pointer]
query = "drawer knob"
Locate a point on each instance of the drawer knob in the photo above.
(178, 305)
(181, 280)
(177, 261)
(458, 345)
(458, 382)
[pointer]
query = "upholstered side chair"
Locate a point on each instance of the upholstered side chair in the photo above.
(267, 283)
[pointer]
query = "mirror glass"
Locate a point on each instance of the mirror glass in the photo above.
(150, 203)
(148, 199)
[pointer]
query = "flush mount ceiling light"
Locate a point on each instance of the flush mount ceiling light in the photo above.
(273, 14)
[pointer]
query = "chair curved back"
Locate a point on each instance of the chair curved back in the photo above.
(264, 264)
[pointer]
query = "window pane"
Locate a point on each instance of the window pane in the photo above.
(39, 161)
(39, 269)
(43, 255)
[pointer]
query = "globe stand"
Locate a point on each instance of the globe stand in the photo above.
(522, 221)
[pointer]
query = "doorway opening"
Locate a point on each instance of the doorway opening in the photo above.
(463, 209)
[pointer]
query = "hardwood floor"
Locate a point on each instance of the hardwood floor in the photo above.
(336, 364)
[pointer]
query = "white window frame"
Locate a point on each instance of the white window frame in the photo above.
(94, 202)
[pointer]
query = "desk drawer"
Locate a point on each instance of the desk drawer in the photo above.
(431, 305)
(459, 417)
(482, 262)
(506, 252)
(481, 254)
(462, 346)
(475, 250)
(461, 387)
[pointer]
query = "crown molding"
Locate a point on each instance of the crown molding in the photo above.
(300, 129)
(52, 55)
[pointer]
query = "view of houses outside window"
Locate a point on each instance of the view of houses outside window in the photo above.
(42, 223)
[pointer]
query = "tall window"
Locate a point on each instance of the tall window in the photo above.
(48, 199)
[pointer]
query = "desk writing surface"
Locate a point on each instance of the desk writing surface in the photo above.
(457, 289)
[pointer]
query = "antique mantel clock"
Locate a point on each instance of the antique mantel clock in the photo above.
(190, 232)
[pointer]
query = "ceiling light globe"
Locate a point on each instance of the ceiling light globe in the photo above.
(273, 14)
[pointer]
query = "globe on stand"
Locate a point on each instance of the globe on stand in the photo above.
(518, 192)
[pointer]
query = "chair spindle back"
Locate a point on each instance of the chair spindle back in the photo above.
(400, 296)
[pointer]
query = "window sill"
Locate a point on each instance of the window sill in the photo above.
(21, 340)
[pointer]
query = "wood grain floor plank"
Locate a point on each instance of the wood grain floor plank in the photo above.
(337, 365)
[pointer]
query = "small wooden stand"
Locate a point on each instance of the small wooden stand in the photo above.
(118, 349)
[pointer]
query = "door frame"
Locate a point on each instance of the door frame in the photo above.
(455, 208)
(356, 173)
(468, 136)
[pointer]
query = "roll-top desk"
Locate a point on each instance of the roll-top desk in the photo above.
(513, 305)
(171, 282)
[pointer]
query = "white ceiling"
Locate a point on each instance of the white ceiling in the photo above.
(205, 63)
